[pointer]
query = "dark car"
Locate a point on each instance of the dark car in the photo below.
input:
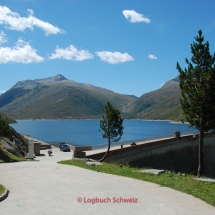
(60, 146)
(65, 148)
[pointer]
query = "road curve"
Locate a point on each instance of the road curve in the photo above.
(45, 187)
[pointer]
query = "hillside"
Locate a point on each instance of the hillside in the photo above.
(58, 98)
(161, 104)
(13, 146)
(8, 118)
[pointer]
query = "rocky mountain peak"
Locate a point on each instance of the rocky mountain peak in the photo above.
(37, 82)
(58, 77)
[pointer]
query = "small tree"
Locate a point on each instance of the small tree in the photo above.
(4, 127)
(197, 84)
(111, 124)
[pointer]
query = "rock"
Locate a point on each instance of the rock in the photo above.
(94, 163)
(205, 179)
(152, 171)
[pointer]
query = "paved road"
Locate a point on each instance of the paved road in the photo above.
(45, 187)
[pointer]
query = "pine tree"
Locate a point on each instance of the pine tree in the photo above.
(111, 124)
(197, 84)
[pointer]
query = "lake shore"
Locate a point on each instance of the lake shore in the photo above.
(86, 132)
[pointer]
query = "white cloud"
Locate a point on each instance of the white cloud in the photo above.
(71, 53)
(3, 38)
(153, 57)
(22, 52)
(14, 21)
(114, 57)
(133, 16)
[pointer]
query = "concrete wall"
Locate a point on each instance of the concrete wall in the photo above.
(45, 146)
(36, 148)
(175, 154)
(80, 148)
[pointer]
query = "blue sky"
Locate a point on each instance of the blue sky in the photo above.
(127, 46)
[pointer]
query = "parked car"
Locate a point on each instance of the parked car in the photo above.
(65, 148)
(60, 146)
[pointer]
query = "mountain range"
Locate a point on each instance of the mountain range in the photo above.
(59, 98)
(161, 104)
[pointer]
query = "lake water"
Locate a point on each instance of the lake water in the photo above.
(86, 132)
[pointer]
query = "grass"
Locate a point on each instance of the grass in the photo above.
(2, 189)
(186, 184)
(6, 156)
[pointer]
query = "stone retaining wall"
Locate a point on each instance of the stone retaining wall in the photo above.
(178, 154)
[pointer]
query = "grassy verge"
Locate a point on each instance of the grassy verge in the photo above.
(186, 184)
(1, 189)
(6, 156)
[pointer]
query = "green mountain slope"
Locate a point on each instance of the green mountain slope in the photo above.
(8, 118)
(161, 104)
(58, 98)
